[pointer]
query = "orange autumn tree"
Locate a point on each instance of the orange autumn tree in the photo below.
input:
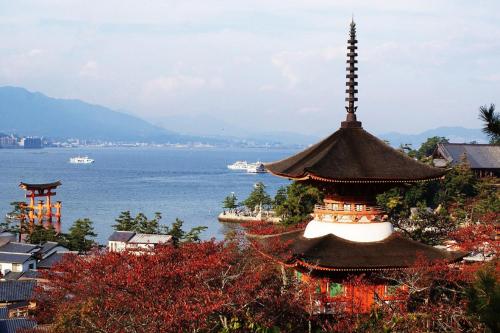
(203, 287)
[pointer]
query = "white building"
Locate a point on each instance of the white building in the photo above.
(128, 240)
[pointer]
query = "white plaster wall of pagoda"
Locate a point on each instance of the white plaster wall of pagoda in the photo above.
(356, 232)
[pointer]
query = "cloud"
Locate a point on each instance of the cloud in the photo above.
(89, 69)
(181, 83)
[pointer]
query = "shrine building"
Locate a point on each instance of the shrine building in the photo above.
(349, 234)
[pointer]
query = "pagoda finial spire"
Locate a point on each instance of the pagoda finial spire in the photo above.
(351, 77)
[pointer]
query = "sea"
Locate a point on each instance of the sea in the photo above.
(185, 183)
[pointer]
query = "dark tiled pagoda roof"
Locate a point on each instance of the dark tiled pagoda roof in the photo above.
(45, 186)
(334, 253)
(352, 154)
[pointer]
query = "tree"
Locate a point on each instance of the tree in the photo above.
(258, 197)
(196, 287)
(179, 235)
(140, 223)
(426, 226)
(429, 146)
(491, 121)
(40, 234)
(230, 202)
(296, 202)
(484, 298)
(79, 232)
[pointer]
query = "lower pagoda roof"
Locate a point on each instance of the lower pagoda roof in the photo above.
(332, 253)
(351, 154)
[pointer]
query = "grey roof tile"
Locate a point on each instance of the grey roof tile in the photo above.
(16, 291)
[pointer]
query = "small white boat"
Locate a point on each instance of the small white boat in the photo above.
(238, 165)
(256, 167)
(81, 160)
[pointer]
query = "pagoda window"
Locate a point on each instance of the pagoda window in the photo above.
(335, 289)
(359, 207)
(347, 207)
(335, 206)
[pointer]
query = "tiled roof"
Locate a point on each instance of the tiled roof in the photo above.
(19, 247)
(4, 312)
(29, 274)
(47, 246)
(353, 155)
(15, 291)
(17, 258)
(15, 324)
(51, 260)
(150, 239)
(479, 156)
(121, 236)
(12, 275)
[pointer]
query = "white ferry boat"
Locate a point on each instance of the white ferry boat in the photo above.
(81, 160)
(238, 165)
(256, 167)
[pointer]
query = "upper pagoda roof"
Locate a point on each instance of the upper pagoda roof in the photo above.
(332, 253)
(351, 154)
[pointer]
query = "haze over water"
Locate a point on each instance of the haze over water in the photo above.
(185, 183)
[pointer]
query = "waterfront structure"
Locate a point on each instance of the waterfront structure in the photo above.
(31, 142)
(483, 159)
(349, 233)
(128, 240)
(42, 213)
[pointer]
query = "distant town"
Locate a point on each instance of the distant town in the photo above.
(13, 141)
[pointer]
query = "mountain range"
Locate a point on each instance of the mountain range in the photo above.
(35, 114)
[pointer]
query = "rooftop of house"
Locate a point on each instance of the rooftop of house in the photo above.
(16, 247)
(16, 291)
(479, 156)
(15, 258)
(150, 239)
(121, 236)
(15, 324)
(29, 274)
(51, 260)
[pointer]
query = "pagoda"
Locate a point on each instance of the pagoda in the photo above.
(349, 234)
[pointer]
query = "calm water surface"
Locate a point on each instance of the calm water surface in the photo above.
(185, 183)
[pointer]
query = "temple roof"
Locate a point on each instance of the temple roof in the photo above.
(334, 253)
(46, 186)
(351, 154)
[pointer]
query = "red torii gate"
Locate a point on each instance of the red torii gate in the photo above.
(37, 212)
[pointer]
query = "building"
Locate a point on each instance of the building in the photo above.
(8, 141)
(19, 259)
(483, 159)
(31, 142)
(349, 233)
(128, 240)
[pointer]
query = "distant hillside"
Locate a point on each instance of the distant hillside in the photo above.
(28, 113)
(454, 134)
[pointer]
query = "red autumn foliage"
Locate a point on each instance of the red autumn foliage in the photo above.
(266, 228)
(478, 238)
(195, 287)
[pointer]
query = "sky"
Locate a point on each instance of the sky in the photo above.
(269, 65)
